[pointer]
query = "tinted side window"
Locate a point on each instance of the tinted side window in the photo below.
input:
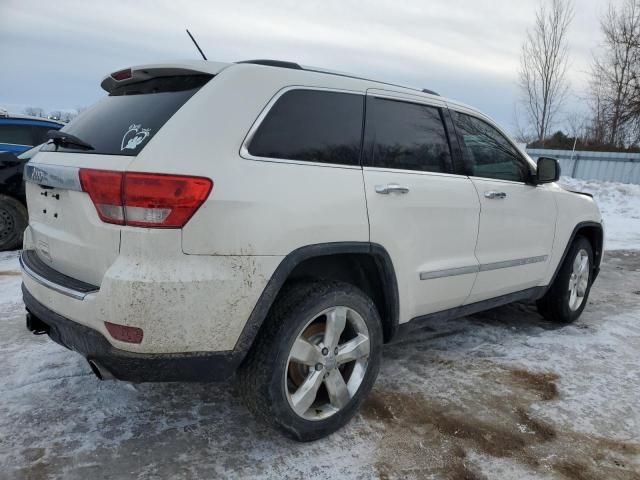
(312, 125)
(407, 136)
(40, 134)
(489, 154)
(16, 134)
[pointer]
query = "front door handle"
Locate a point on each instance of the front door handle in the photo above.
(493, 194)
(391, 188)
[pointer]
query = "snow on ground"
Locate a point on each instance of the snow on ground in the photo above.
(619, 204)
(498, 395)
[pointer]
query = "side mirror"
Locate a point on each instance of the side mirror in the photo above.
(548, 170)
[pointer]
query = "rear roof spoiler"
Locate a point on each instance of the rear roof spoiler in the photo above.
(146, 72)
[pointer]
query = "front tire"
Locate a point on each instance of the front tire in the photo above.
(566, 298)
(315, 359)
(13, 220)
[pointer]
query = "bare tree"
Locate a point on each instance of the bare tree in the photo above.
(522, 133)
(576, 125)
(543, 65)
(615, 72)
(67, 116)
(34, 111)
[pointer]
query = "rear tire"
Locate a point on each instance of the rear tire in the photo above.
(292, 356)
(13, 220)
(566, 298)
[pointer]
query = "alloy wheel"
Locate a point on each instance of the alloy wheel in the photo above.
(327, 363)
(579, 280)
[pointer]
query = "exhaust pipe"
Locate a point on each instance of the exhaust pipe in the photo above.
(35, 325)
(99, 371)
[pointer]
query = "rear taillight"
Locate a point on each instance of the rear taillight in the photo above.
(105, 190)
(145, 199)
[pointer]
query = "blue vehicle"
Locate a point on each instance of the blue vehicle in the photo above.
(18, 135)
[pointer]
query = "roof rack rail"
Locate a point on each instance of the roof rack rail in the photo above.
(297, 66)
(274, 63)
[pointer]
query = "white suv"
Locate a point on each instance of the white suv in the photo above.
(283, 223)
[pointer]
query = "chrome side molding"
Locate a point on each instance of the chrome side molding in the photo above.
(513, 263)
(451, 272)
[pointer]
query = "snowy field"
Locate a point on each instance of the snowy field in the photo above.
(620, 207)
(499, 395)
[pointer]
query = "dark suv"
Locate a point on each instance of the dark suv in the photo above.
(18, 134)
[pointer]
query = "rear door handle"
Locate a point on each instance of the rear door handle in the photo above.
(493, 194)
(391, 188)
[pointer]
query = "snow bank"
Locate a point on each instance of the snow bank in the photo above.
(620, 207)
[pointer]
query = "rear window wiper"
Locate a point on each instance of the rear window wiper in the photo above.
(64, 139)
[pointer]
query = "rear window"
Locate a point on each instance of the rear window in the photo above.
(126, 120)
(312, 125)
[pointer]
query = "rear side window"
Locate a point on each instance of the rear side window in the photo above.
(125, 121)
(312, 125)
(406, 136)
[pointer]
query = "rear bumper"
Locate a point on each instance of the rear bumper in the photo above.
(122, 365)
(183, 303)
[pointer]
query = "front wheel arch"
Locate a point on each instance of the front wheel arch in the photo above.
(594, 233)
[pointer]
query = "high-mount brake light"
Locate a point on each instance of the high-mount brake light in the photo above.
(122, 75)
(149, 200)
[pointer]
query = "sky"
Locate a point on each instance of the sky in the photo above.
(54, 54)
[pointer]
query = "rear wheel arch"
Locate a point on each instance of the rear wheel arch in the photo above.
(362, 264)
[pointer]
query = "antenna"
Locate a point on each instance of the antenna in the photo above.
(195, 43)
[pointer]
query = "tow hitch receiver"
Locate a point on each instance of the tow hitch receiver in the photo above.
(35, 325)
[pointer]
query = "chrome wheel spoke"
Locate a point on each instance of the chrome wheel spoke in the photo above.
(336, 321)
(337, 388)
(305, 352)
(306, 394)
(579, 280)
(583, 265)
(582, 286)
(572, 298)
(353, 350)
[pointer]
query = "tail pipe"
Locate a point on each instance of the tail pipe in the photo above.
(35, 325)
(99, 371)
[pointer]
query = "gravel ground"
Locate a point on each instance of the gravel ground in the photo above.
(500, 395)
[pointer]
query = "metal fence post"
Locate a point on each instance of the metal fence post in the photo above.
(575, 166)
